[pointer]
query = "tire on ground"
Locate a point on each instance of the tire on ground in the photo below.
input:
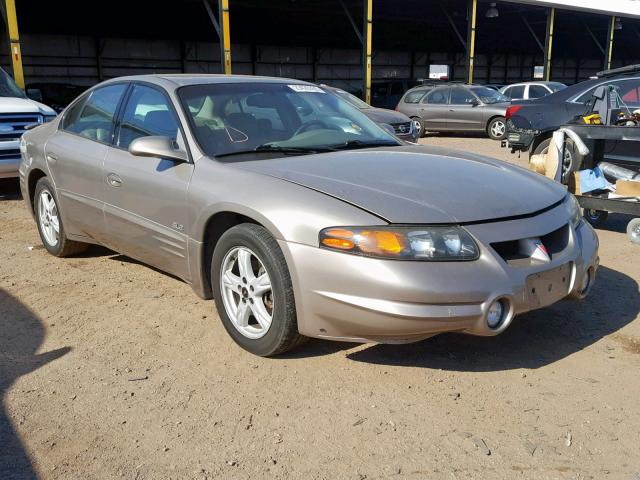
(282, 335)
(64, 247)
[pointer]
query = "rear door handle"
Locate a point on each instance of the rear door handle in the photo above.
(52, 158)
(114, 180)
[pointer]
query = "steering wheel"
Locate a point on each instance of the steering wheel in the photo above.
(307, 126)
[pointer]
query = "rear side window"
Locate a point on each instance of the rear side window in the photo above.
(92, 117)
(516, 92)
(148, 112)
(414, 97)
(438, 97)
(628, 89)
(537, 91)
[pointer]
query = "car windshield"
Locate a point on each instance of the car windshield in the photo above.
(352, 99)
(489, 95)
(8, 87)
(238, 118)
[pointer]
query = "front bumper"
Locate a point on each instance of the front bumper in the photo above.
(353, 298)
(9, 158)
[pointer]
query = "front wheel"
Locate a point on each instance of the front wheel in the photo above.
(47, 211)
(497, 128)
(253, 291)
(418, 125)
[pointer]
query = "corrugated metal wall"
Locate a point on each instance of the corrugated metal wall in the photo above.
(84, 60)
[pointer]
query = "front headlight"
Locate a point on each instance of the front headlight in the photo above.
(575, 212)
(445, 244)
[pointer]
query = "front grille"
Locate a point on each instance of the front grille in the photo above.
(10, 153)
(555, 242)
(12, 125)
(401, 128)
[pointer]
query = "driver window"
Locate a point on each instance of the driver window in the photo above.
(148, 112)
(460, 96)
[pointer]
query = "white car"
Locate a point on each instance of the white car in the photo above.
(16, 113)
(530, 90)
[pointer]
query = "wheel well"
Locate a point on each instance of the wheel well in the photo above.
(538, 140)
(215, 228)
(34, 176)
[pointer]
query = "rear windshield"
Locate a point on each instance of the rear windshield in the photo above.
(555, 86)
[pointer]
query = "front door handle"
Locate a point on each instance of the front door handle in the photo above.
(114, 180)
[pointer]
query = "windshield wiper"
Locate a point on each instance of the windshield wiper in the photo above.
(276, 149)
(353, 144)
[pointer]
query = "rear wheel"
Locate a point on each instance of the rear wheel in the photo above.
(47, 211)
(253, 291)
(572, 159)
(497, 128)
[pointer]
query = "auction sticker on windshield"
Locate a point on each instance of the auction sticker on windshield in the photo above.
(306, 88)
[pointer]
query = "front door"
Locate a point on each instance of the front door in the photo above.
(465, 111)
(75, 154)
(145, 204)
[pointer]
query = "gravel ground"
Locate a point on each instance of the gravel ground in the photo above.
(111, 369)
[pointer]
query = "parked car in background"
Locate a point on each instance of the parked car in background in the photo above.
(56, 95)
(302, 222)
(531, 90)
(530, 123)
(387, 93)
(456, 108)
(495, 86)
(16, 113)
(402, 125)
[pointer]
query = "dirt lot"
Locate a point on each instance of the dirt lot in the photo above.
(110, 369)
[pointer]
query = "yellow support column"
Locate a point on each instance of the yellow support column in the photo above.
(471, 38)
(226, 35)
(14, 42)
(548, 43)
(366, 57)
(609, 50)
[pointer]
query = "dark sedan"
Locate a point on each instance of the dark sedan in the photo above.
(530, 123)
(403, 127)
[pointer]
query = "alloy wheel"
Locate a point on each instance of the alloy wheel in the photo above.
(498, 129)
(48, 217)
(247, 294)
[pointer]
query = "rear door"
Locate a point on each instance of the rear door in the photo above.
(434, 109)
(464, 115)
(75, 154)
(145, 202)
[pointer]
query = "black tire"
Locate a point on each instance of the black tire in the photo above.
(418, 120)
(596, 218)
(63, 247)
(573, 159)
(282, 335)
(633, 230)
(492, 126)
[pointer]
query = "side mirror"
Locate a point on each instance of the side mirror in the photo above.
(155, 146)
(475, 103)
(34, 94)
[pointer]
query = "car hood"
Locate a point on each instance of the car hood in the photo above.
(23, 105)
(417, 184)
(383, 115)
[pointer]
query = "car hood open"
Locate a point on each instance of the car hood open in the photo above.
(416, 184)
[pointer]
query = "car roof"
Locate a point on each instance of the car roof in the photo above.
(183, 79)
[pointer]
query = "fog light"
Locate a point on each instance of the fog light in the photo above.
(495, 314)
